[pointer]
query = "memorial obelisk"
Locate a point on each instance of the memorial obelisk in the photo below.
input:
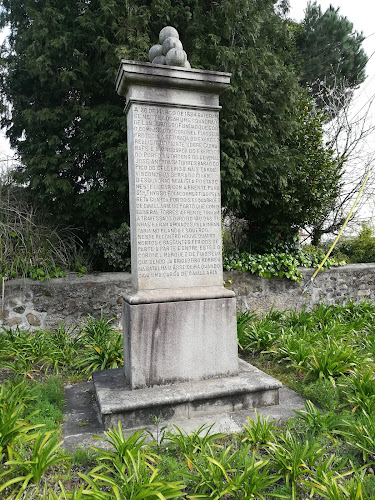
(179, 322)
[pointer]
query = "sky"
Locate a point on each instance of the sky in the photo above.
(362, 14)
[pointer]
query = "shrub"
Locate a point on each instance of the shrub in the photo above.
(114, 247)
(362, 247)
(267, 265)
(277, 264)
(102, 346)
(30, 244)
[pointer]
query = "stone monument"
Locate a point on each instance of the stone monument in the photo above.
(179, 322)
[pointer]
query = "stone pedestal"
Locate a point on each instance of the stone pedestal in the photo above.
(169, 342)
(199, 401)
(179, 321)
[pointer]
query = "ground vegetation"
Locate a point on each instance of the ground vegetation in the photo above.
(326, 451)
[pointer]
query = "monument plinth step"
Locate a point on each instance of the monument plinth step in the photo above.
(160, 295)
(251, 388)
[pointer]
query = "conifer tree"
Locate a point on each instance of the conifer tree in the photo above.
(65, 120)
(329, 50)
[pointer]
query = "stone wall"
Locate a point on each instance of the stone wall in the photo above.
(339, 284)
(34, 304)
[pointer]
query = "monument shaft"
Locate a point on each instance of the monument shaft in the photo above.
(179, 320)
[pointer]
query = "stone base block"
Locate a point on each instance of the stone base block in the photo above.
(179, 341)
(251, 388)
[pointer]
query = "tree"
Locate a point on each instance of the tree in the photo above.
(347, 134)
(67, 123)
(331, 62)
(310, 192)
(64, 119)
(329, 50)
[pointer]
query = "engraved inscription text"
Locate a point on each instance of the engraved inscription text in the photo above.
(177, 191)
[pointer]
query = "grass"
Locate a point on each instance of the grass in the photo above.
(313, 351)
(326, 451)
(47, 403)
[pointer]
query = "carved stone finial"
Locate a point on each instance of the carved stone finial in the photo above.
(169, 50)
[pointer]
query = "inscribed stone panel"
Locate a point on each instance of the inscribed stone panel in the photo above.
(175, 196)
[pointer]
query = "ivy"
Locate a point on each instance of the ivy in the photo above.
(281, 265)
(44, 271)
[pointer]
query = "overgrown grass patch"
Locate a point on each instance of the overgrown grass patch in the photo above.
(329, 343)
(326, 451)
(72, 353)
(47, 403)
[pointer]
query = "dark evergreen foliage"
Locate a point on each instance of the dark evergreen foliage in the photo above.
(329, 50)
(67, 123)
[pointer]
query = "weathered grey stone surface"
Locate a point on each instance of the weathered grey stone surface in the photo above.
(179, 320)
(82, 418)
(251, 388)
(179, 341)
(339, 284)
(174, 179)
(178, 294)
(167, 32)
(136, 73)
(69, 300)
(72, 299)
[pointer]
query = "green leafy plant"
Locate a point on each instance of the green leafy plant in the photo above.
(361, 434)
(45, 453)
(230, 473)
(12, 426)
(244, 318)
(251, 476)
(116, 438)
(333, 486)
(319, 423)
(135, 476)
(259, 431)
(260, 335)
(22, 352)
(292, 457)
(327, 469)
(63, 347)
(362, 247)
(96, 345)
(292, 349)
(103, 346)
(267, 265)
(331, 359)
(358, 390)
(322, 393)
(274, 264)
(76, 494)
(115, 246)
(191, 443)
